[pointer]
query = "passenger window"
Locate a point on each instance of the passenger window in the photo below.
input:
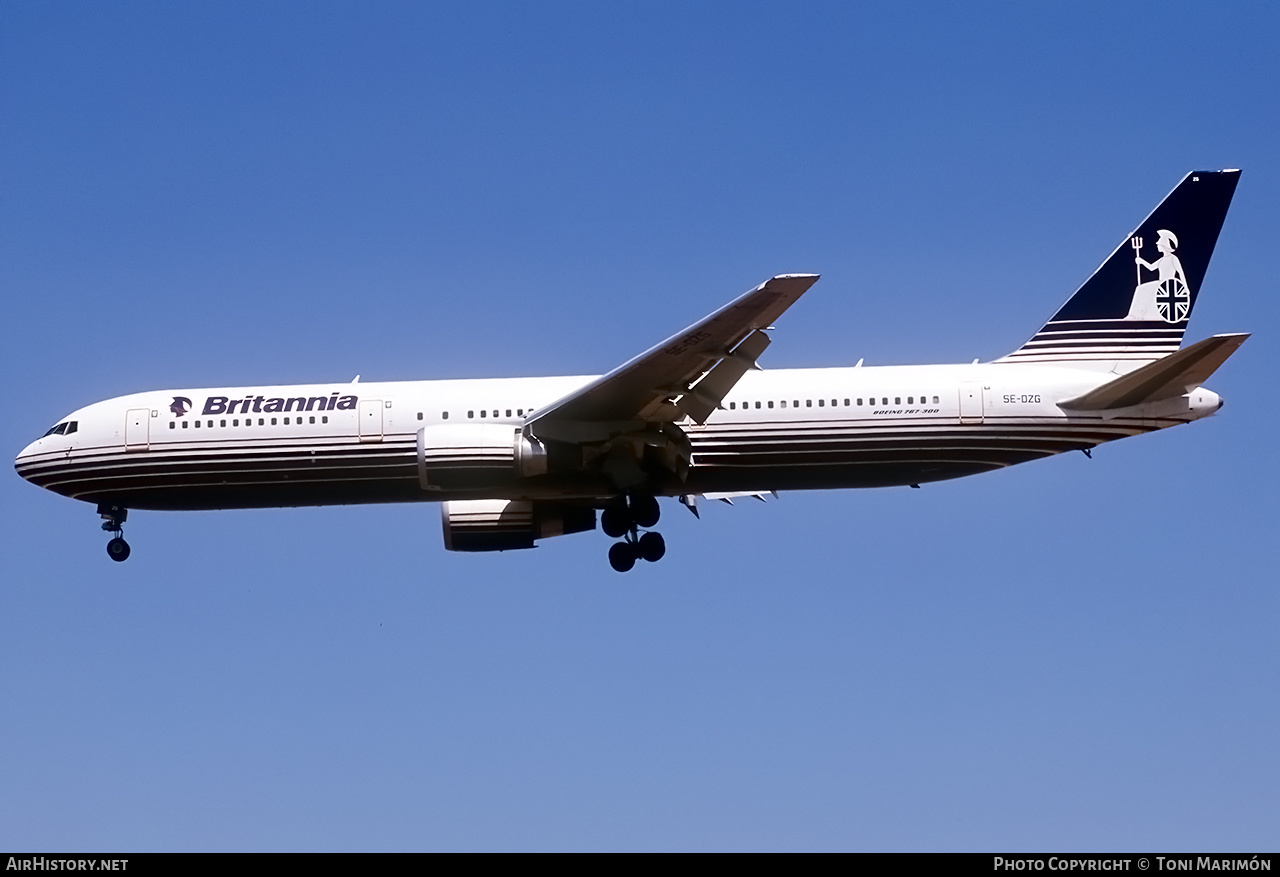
(732, 405)
(808, 403)
(935, 400)
(483, 412)
(859, 402)
(172, 425)
(471, 414)
(519, 412)
(222, 423)
(444, 415)
(419, 415)
(508, 412)
(784, 403)
(311, 419)
(821, 402)
(770, 403)
(197, 424)
(846, 403)
(184, 424)
(273, 421)
(324, 418)
(757, 404)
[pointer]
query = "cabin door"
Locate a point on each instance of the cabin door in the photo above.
(971, 402)
(370, 420)
(137, 429)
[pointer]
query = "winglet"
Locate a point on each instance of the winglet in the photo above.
(1166, 378)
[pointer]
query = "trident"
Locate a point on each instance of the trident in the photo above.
(1136, 243)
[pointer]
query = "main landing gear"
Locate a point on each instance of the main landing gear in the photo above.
(113, 518)
(624, 518)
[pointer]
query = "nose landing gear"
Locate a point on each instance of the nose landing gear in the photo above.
(624, 518)
(113, 518)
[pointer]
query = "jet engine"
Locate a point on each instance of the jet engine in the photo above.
(475, 456)
(506, 524)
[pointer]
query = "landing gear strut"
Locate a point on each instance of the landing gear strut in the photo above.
(113, 518)
(624, 518)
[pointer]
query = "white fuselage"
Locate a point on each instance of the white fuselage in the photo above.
(776, 430)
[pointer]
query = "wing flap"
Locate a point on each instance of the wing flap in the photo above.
(706, 395)
(1167, 378)
(690, 500)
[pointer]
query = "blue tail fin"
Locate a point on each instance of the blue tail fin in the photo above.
(1135, 307)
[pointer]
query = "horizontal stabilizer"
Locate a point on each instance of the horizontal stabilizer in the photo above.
(1167, 378)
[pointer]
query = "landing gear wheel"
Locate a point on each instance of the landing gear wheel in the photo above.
(118, 549)
(622, 556)
(113, 518)
(615, 522)
(651, 547)
(644, 510)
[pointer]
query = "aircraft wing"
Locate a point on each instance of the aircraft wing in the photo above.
(688, 373)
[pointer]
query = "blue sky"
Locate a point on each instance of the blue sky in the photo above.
(1071, 654)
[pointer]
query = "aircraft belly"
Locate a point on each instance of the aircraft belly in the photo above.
(809, 456)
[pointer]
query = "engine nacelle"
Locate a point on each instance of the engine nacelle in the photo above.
(507, 524)
(476, 456)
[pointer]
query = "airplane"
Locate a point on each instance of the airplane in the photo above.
(516, 460)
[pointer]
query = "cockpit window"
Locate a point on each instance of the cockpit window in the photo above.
(65, 428)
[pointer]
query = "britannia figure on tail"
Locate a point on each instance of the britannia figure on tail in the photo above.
(1167, 297)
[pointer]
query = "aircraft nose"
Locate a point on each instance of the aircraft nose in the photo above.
(21, 462)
